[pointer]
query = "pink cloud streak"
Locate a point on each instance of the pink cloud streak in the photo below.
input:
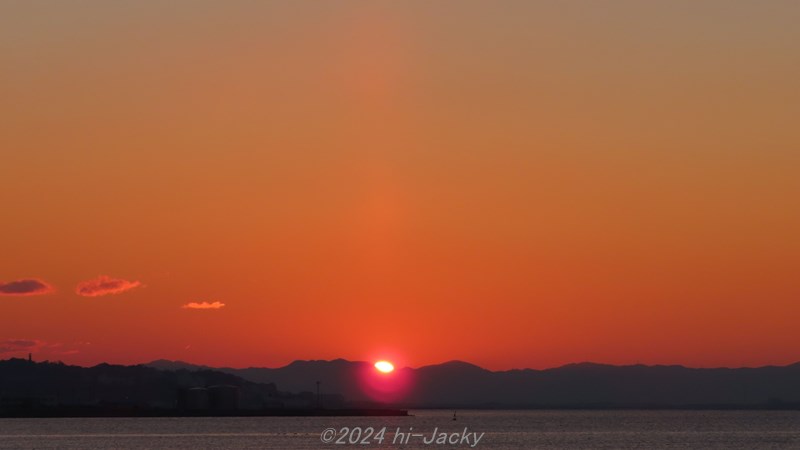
(25, 288)
(203, 305)
(104, 285)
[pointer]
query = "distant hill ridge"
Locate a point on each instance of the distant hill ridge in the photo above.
(585, 384)
(54, 383)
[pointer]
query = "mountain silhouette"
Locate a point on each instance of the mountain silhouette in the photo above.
(461, 384)
(130, 386)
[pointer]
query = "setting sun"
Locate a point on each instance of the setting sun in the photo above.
(384, 366)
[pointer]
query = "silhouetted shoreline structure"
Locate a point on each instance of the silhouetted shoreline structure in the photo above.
(45, 389)
(460, 385)
(29, 389)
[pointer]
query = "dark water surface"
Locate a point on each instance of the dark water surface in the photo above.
(503, 430)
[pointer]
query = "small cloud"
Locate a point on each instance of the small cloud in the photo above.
(19, 345)
(203, 305)
(104, 285)
(40, 348)
(25, 287)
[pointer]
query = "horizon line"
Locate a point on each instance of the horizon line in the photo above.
(456, 361)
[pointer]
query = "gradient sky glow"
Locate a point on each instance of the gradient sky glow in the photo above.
(511, 183)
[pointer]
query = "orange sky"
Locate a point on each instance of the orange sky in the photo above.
(512, 183)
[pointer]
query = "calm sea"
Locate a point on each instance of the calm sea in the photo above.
(502, 430)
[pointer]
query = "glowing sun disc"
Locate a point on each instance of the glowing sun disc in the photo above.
(384, 366)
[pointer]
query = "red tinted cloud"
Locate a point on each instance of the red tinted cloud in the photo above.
(19, 345)
(104, 285)
(204, 305)
(25, 287)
